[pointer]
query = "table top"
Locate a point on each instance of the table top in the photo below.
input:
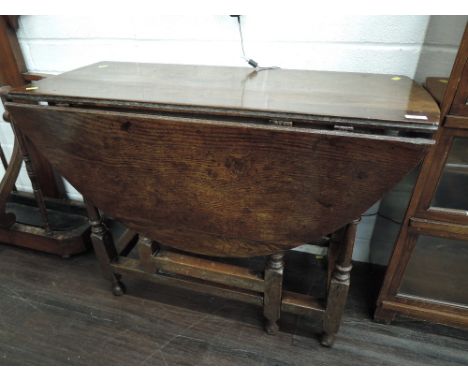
(374, 97)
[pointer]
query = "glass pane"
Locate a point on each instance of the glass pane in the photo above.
(452, 189)
(438, 270)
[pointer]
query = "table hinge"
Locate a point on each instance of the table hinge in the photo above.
(343, 127)
(278, 122)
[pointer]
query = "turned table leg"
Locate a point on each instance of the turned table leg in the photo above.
(104, 248)
(338, 286)
(272, 292)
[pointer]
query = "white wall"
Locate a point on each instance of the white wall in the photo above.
(387, 44)
(443, 35)
(376, 44)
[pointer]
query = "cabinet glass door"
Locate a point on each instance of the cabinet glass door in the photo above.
(437, 270)
(452, 191)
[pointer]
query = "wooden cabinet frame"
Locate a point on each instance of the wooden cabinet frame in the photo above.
(423, 219)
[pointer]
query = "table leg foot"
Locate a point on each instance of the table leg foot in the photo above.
(271, 327)
(118, 288)
(328, 339)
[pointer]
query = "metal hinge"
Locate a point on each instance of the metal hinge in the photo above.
(278, 122)
(343, 127)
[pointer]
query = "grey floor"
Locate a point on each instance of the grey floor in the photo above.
(61, 312)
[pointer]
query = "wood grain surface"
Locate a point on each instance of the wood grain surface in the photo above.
(215, 187)
(369, 97)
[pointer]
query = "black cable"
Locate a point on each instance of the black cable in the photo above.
(251, 62)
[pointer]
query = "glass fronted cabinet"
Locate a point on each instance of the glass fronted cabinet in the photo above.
(427, 275)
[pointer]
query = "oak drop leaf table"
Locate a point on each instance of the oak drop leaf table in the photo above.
(228, 162)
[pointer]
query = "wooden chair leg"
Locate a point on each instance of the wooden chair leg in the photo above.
(272, 292)
(104, 248)
(339, 286)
